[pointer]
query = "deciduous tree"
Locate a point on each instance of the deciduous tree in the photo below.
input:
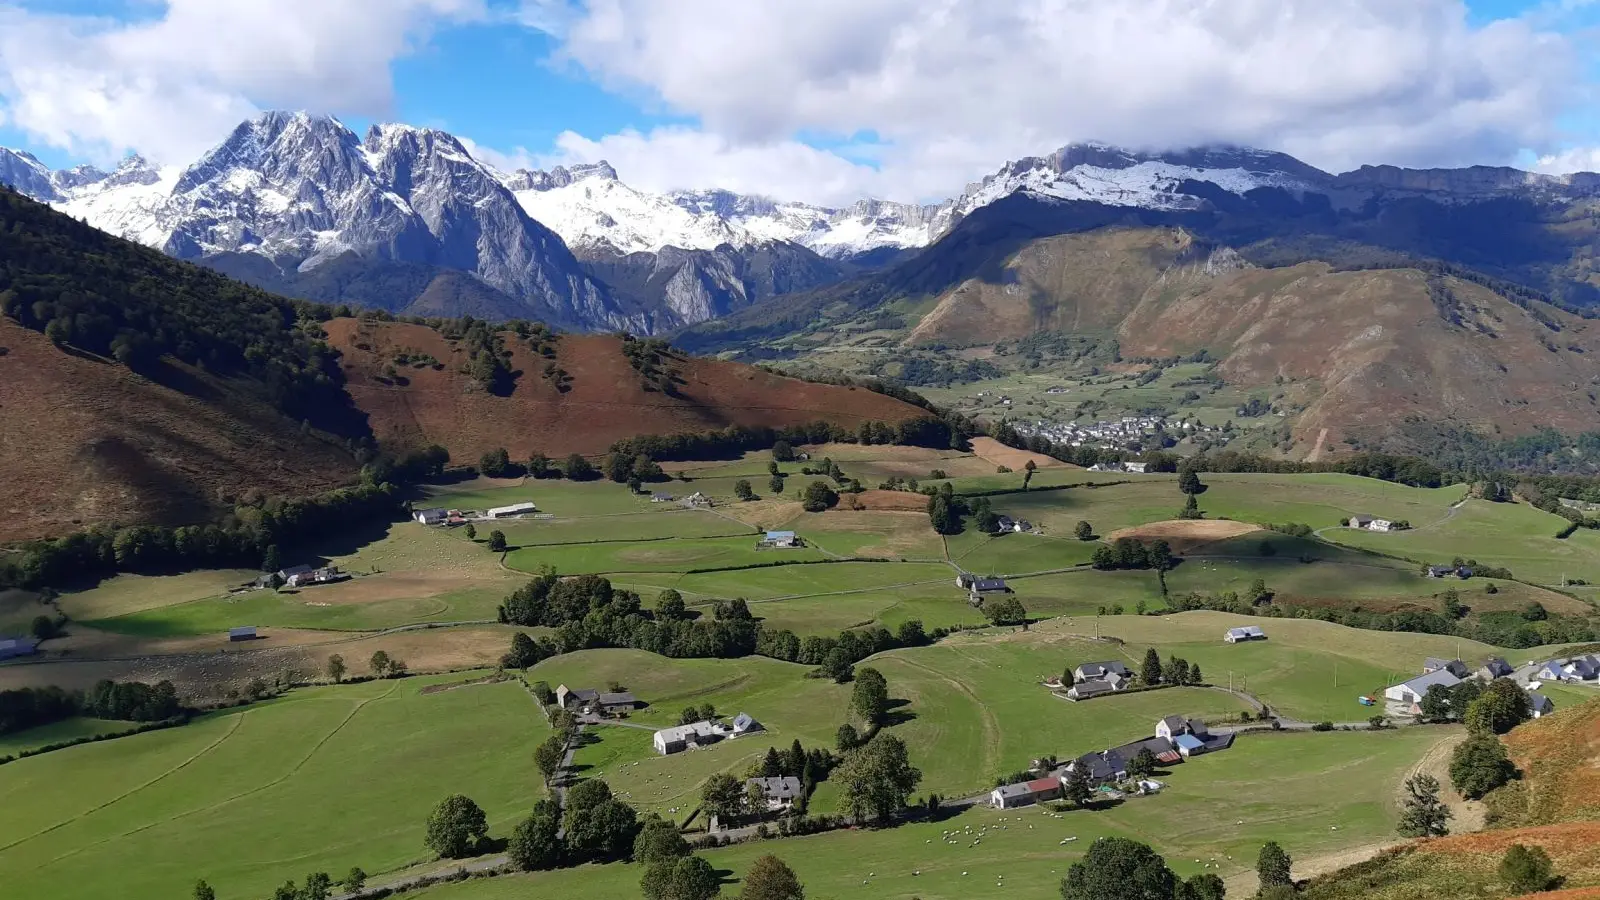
(535, 844)
(877, 778)
(1119, 869)
(770, 878)
(335, 668)
(1479, 764)
(1084, 531)
(722, 796)
(1526, 870)
(1502, 706)
(456, 827)
(870, 697)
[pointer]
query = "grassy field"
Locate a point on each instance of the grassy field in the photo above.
(672, 555)
(1317, 783)
(322, 779)
(56, 732)
(1515, 536)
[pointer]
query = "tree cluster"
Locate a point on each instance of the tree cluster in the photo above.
(1132, 553)
(1123, 869)
(125, 701)
(876, 779)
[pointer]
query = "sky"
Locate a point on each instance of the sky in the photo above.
(825, 101)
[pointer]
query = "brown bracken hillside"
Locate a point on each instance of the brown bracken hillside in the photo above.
(606, 399)
(86, 441)
(1359, 351)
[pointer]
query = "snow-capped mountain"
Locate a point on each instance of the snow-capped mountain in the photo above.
(598, 214)
(302, 190)
(286, 194)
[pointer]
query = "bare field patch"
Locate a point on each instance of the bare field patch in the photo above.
(995, 453)
(1186, 534)
(768, 513)
(206, 668)
(897, 534)
(402, 586)
(891, 501)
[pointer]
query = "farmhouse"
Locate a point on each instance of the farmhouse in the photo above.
(614, 704)
(1494, 667)
(1100, 670)
(696, 500)
(1011, 796)
(1582, 668)
(1244, 633)
(325, 575)
(1360, 521)
(242, 633)
(515, 509)
(1083, 690)
(10, 648)
(568, 698)
(779, 540)
(1138, 468)
(678, 738)
(1454, 666)
(1412, 691)
(432, 516)
(744, 724)
(1550, 671)
(780, 793)
(1539, 705)
(1176, 739)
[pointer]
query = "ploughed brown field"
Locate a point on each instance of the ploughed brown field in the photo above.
(607, 400)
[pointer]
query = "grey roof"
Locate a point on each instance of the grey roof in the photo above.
(616, 699)
(1013, 790)
(780, 535)
(1090, 687)
(582, 694)
(1094, 669)
(1189, 742)
(432, 511)
(1174, 723)
(1539, 703)
(988, 584)
(1434, 662)
(292, 571)
(242, 629)
(1442, 678)
(1497, 667)
(684, 732)
(785, 788)
(658, 495)
(743, 722)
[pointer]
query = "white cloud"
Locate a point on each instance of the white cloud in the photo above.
(953, 87)
(171, 85)
(1572, 159)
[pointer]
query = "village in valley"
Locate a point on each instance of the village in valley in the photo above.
(1084, 651)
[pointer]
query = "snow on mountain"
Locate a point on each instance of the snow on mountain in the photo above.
(1097, 173)
(22, 171)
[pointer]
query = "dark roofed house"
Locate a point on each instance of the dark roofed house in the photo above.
(1360, 521)
(1454, 666)
(780, 793)
(11, 648)
(989, 586)
(1539, 705)
(612, 704)
(1495, 667)
(660, 497)
(1094, 670)
(1090, 687)
(570, 698)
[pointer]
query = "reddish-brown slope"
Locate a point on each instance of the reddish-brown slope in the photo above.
(85, 441)
(606, 402)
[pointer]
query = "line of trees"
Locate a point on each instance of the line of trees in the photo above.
(928, 431)
(126, 701)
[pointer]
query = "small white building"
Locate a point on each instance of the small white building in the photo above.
(1413, 691)
(678, 738)
(515, 509)
(433, 516)
(1138, 468)
(1380, 525)
(1244, 633)
(779, 540)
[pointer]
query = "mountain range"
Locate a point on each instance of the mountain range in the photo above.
(406, 219)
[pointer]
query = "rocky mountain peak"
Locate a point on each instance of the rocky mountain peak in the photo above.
(22, 171)
(78, 176)
(560, 176)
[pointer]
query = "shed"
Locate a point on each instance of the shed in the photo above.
(10, 648)
(1413, 691)
(1188, 745)
(515, 509)
(242, 633)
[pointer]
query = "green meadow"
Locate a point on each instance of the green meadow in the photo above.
(322, 779)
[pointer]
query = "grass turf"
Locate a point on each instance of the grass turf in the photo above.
(321, 779)
(56, 732)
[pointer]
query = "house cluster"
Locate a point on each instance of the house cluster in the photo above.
(438, 515)
(1096, 678)
(1127, 433)
(1176, 739)
(977, 586)
(1446, 571)
(694, 735)
(591, 702)
(1575, 668)
(1447, 673)
(1368, 523)
(1244, 633)
(301, 576)
(13, 647)
(1133, 468)
(780, 540)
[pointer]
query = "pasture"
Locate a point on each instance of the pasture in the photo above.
(57, 732)
(321, 779)
(1328, 792)
(1512, 535)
